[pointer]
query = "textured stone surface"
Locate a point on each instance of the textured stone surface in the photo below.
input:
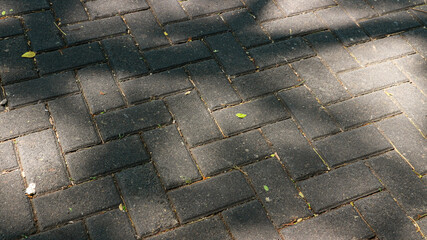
(68, 232)
(390, 23)
(110, 225)
(42, 31)
(65, 16)
(20, 6)
(102, 8)
(415, 67)
(292, 26)
(292, 7)
(417, 40)
(201, 7)
(7, 156)
(263, 9)
(383, 6)
(10, 27)
(167, 10)
(357, 9)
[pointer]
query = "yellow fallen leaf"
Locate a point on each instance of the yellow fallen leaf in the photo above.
(300, 194)
(29, 54)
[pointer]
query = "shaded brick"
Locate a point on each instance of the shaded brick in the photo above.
(167, 10)
(41, 161)
(23, 120)
(259, 112)
(332, 51)
(230, 54)
(381, 49)
(145, 199)
(105, 158)
(102, 8)
(351, 145)
(210, 196)
(111, 225)
(242, 219)
(420, 13)
(360, 110)
(146, 30)
(194, 121)
(10, 27)
(267, 81)
(245, 28)
(281, 201)
(63, 13)
(314, 120)
(293, 149)
(176, 55)
(225, 154)
(343, 223)
(65, 205)
(7, 156)
(74, 231)
(124, 57)
(20, 6)
(386, 218)
(398, 177)
(371, 78)
(212, 84)
(388, 24)
(417, 38)
(196, 28)
(280, 52)
(100, 89)
(415, 68)
(155, 85)
(292, 7)
(339, 186)
(263, 9)
(407, 140)
(40, 89)
(201, 7)
(42, 31)
(383, 6)
(117, 123)
(423, 225)
(323, 84)
(357, 9)
(172, 159)
(69, 58)
(73, 123)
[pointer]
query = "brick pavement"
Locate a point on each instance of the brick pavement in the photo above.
(126, 122)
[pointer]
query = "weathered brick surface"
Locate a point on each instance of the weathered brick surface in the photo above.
(10, 27)
(68, 232)
(292, 7)
(357, 9)
(383, 6)
(42, 31)
(7, 156)
(263, 9)
(63, 13)
(110, 225)
(167, 10)
(415, 67)
(102, 8)
(201, 7)
(20, 6)
(390, 23)
(417, 40)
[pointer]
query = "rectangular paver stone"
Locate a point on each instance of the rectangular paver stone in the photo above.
(415, 67)
(42, 31)
(111, 225)
(292, 7)
(167, 10)
(383, 6)
(357, 9)
(339, 186)
(417, 39)
(388, 24)
(7, 156)
(67, 232)
(210, 196)
(201, 7)
(10, 27)
(103, 8)
(20, 6)
(63, 13)
(264, 9)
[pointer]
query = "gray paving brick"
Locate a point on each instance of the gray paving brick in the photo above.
(225, 154)
(41, 161)
(351, 145)
(124, 57)
(63, 13)
(16, 216)
(167, 10)
(73, 123)
(7, 156)
(212, 84)
(386, 218)
(417, 39)
(85, 31)
(74, 231)
(99, 88)
(117, 123)
(390, 23)
(42, 31)
(107, 157)
(281, 201)
(145, 199)
(280, 52)
(342, 25)
(146, 30)
(292, 26)
(314, 120)
(381, 49)
(201, 7)
(259, 112)
(211, 228)
(420, 13)
(23, 120)
(10, 27)
(13, 66)
(73, 57)
(172, 159)
(407, 140)
(196, 28)
(360, 110)
(20, 6)
(415, 67)
(102, 8)
(194, 121)
(176, 55)
(245, 28)
(293, 149)
(155, 85)
(210, 196)
(343, 223)
(323, 84)
(65, 205)
(260, 83)
(230, 54)
(242, 219)
(371, 78)
(384, 6)
(398, 177)
(339, 186)
(111, 225)
(263, 9)
(357, 9)
(412, 102)
(423, 225)
(40, 89)
(292, 7)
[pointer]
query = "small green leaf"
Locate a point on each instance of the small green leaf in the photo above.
(301, 195)
(241, 115)
(29, 54)
(70, 209)
(92, 178)
(11, 10)
(272, 155)
(266, 188)
(3, 13)
(215, 51)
